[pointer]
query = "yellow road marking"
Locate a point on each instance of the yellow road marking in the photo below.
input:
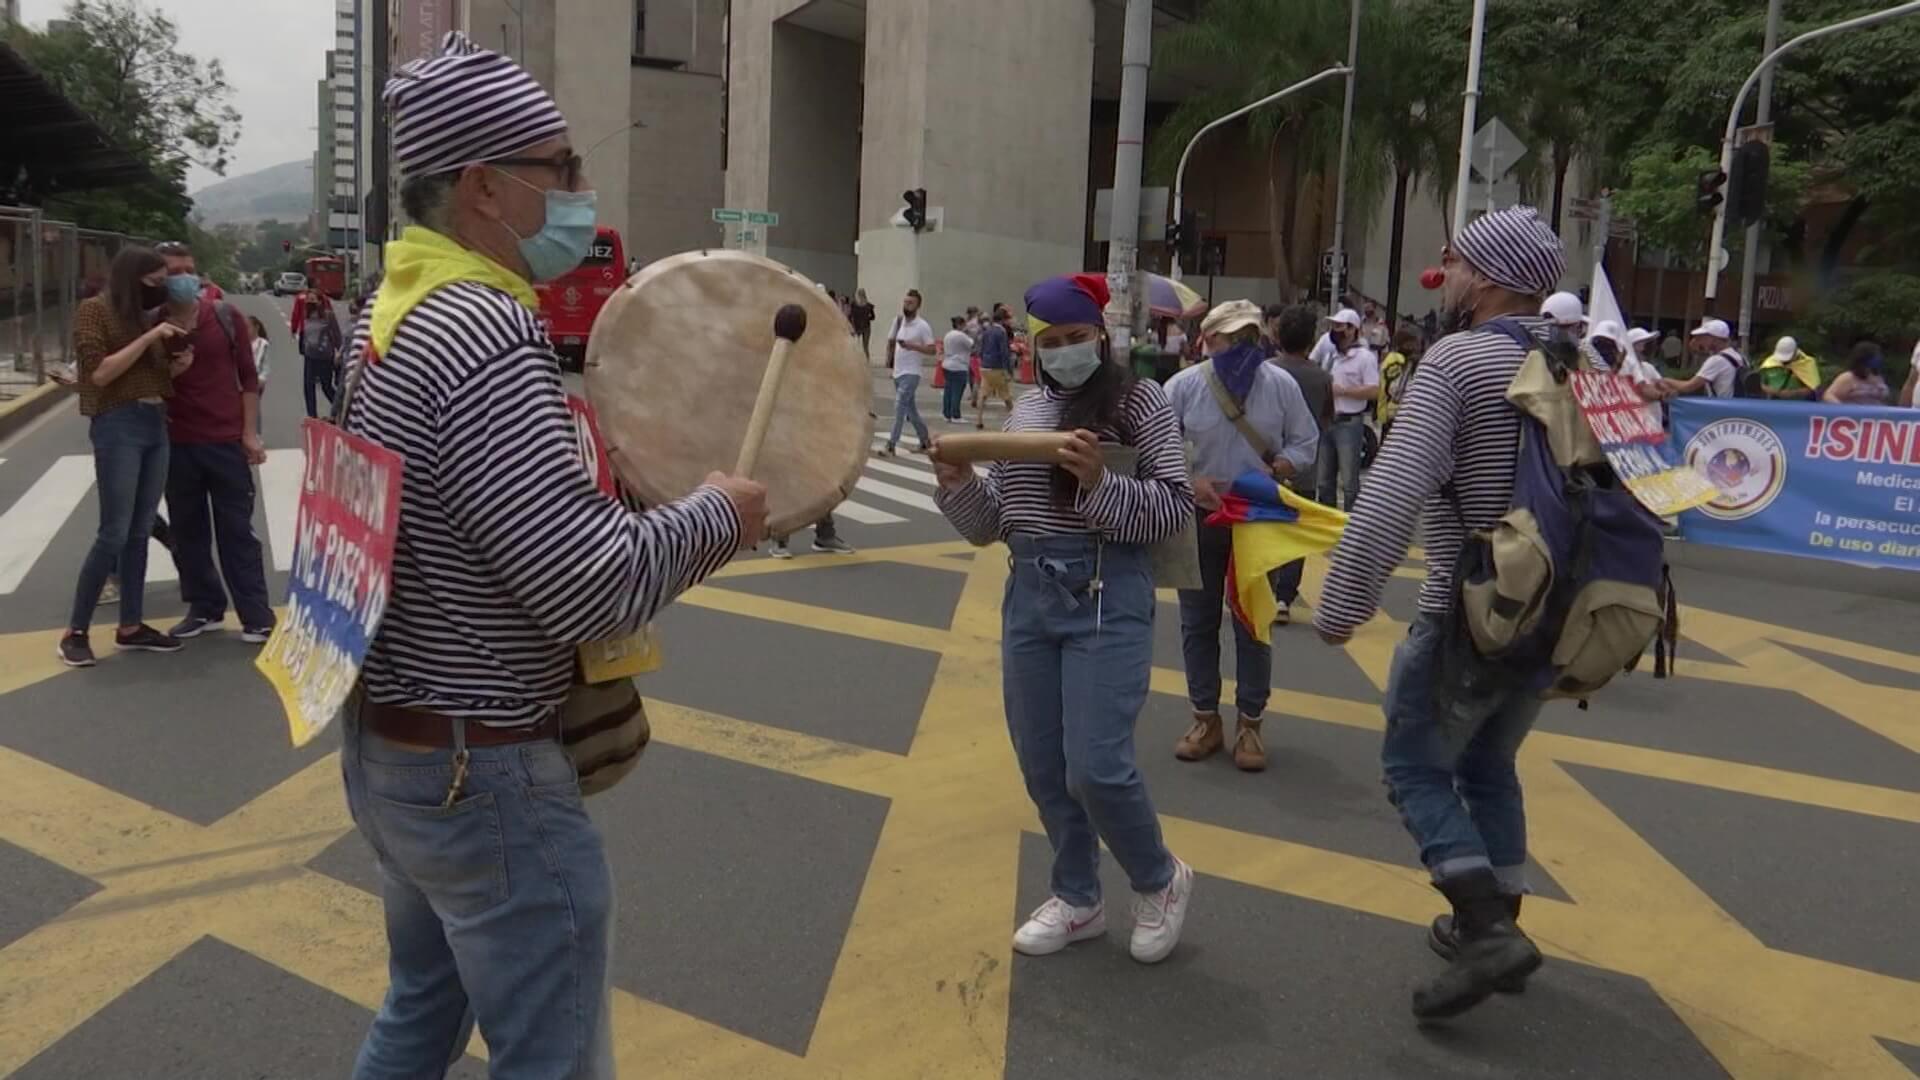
(903, 1001)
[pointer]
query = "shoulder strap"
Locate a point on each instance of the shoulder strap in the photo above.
(1237, 415)
(1520, 334)
(223, 314)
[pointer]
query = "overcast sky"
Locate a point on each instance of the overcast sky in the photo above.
(273, 51)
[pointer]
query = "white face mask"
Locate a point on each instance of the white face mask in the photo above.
(1071, 365)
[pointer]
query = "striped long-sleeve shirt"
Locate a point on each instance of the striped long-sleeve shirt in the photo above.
(1017, 496)
(508, 556)
(1456, 424)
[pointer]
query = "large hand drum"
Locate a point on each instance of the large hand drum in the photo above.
(674, 366)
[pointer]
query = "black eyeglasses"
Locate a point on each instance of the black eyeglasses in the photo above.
(570, 167)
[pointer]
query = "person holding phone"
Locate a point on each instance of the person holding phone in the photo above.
(126, 370)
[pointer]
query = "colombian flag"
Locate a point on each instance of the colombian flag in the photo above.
(1272, 526)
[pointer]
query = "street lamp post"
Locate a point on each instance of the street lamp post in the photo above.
(1470, 102)
(1749, 258)
(1719, 235)
(1334, 276)
(1123, 247)
(1180, 173)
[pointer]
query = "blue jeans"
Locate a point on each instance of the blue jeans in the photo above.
(952, 394)
(130, 471)
(907, 407)
(1200, 635)
(1449, 766)
(1341, 447)
(1075, 667)
(210, 497)
(499, 909)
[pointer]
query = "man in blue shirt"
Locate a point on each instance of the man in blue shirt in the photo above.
(1237, 413)
(996, 363)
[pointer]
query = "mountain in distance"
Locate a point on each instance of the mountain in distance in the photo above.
(282, 192)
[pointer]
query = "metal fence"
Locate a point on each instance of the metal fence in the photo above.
(46, 267)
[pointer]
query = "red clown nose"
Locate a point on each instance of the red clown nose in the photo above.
(1432, 277)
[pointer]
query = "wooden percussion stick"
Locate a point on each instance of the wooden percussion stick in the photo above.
(788, 325)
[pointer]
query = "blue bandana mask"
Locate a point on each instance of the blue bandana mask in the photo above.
(1237, 366)
(182, 288)
(565, 239)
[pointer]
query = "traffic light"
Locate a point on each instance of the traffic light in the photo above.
(1183, 237)
(916, 211)
(1747, 183)
(1707, 190)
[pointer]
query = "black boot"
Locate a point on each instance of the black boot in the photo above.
(1442, 940)
(1489, 948)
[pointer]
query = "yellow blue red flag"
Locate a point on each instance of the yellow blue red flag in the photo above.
(1272, 527)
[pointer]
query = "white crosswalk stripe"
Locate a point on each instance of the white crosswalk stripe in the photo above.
(889, 492)
(31, 523)
(280, 480)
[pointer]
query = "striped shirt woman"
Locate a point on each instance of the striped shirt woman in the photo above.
(1077, 618)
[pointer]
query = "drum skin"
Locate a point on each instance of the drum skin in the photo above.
(673, 367)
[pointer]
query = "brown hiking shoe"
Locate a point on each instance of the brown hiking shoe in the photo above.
(1249, 753)
(1201, 740)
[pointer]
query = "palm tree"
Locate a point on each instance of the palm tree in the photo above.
(1402, 112)
(1249, 49)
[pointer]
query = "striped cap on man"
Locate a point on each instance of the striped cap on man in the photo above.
(1514, 249)
(463, 106)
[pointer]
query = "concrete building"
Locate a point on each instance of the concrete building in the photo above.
(339, 132)
(825, 111)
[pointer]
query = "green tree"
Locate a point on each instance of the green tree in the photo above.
(266, 252)
(1401, 114)
(1662, 187)
(122, 65)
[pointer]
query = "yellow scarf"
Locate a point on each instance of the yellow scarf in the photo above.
(423, 260)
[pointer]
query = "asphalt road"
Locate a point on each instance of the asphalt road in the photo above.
(821, 860)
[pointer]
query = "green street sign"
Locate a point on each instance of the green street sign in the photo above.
(729, 217)
(762, 217)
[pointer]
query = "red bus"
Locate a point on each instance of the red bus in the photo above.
(569, 303)
(328, 275)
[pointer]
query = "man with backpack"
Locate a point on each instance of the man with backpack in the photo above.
(1454, 724)
(212, 429)
(317, 333)
(1721, 373)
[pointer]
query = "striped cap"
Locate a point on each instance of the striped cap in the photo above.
(463, 106)
(1514, 249)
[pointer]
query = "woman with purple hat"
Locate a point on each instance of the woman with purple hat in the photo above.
(1077, 618)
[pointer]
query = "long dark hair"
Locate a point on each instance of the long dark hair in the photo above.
(1096, 405)
(124, 285)
(1860, 360)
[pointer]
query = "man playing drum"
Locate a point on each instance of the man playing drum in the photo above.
(496, 886)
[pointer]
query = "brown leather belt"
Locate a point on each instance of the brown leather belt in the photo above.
(423, 727)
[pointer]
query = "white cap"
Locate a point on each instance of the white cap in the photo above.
(1713, 328)
(1639, 334)
(1786, 348)
(1607, 328)
(1346, 316)
(1564, 308)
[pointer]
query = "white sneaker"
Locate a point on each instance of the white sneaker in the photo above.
(781, 550)
(1057, 924)
(1158, 917)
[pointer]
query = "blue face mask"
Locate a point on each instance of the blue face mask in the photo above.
(565, 239)
(182, 288)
